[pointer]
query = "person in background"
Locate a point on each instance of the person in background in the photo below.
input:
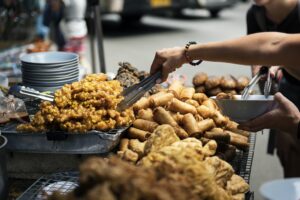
(280, 16)
(267, 49)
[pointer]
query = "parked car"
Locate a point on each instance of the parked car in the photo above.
(214, 6)
(133, 10)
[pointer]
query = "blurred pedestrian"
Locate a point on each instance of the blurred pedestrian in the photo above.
(280, 16)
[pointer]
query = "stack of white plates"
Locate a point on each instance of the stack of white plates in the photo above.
(49, 71)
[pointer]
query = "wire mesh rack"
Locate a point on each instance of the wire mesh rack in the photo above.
(67, 181)
(46, 185)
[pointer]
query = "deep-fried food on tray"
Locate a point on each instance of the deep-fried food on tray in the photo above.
(89, 104)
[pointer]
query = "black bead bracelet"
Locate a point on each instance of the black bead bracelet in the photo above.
(188, 58)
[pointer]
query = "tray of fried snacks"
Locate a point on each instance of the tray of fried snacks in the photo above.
(213, 85)
(165, 172)
(82, 118)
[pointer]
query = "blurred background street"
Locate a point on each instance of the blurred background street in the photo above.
(137, 44)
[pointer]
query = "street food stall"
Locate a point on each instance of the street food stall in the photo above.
(54, 121)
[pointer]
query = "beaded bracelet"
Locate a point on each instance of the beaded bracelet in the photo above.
(188, 58)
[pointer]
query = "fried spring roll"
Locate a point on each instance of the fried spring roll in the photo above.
(162, 116)
(146, 114)
(217, 134)
(176, 87)
(177, 117)
(180, 132)
(239, 141)
(220, 119)
(143, 103)
(200, 97)
(192, 102)
(187, 93)
(135, 133)
(233, 126)
(181, 107)
(137, 146)
(190, 124)
(130, 156)
(204, 125)
(124, 144)
(161, 100)
(205, 112)
(145, 125)
(210, 104)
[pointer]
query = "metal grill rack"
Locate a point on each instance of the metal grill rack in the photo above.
(64, 182)
(242, 162)
(242, 165)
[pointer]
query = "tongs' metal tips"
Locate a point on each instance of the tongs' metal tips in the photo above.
(246, 92)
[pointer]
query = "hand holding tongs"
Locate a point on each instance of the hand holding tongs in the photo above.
(267, 88)
(137, 91)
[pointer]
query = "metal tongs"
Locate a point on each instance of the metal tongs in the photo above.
(137, 91)
(32, 93)
(267, 87)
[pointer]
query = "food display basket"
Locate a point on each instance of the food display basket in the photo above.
(242, 164)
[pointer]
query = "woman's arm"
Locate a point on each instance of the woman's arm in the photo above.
(257, 49)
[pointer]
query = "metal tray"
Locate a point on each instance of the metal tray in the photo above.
(93, 142)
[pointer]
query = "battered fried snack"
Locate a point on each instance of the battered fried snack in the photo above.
(145, 125)
(217, 134)
(89, 104)
(177, 117)
(135, 133)
(205, 112)
(162, 116)
(146, 114)
(200, 97)
(203, 126)
(228, 82)
(233, 126)
(187, 93)
(190, 124)
(137, 147)
(220, 119)
(226, 151)
(200, 79)
(242, 82)
(237, 185)
(214, 91)
(210, 148)
(123, 144)
(129, 155)
(212, 82)
(200, 89)
(175, 88)
(163, 136)
(239, 141)
(181, 107)
(211, 104)
(180, 132)
(161, 99)
(225, 96)
(192, 102)
(143, 103)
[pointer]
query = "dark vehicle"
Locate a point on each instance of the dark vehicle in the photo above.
(215, 6)
(133, 10)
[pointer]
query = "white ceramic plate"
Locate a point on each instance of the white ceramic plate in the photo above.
(55, 57)
(284, 189)
(243, 110)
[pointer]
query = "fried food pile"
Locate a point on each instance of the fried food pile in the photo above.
(213, 85)
(180, 171)
(190, 114)
(129, 75)
(89, 104)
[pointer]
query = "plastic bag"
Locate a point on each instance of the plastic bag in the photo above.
(16, 109)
